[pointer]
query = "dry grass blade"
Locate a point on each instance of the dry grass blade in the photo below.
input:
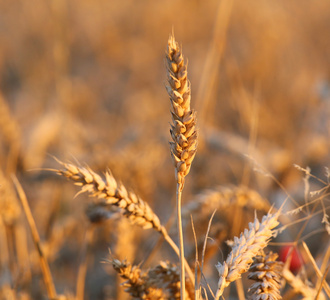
(316, 268)
(250, 243)
(266, 272)
(36, 238)
(12, 135)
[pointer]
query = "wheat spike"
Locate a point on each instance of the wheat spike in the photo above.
(113, 193)
(250, 243)
(183, 130)
(266, 272)
(167, 277)
(136, 283)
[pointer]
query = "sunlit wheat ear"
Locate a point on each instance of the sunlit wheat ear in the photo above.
(183, 129)
(266, 272)
(113, 194)
(247, 246)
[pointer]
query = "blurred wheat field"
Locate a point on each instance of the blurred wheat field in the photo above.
(83, 81)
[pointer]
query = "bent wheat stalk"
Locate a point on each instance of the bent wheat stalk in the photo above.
(115, 194)
(183, 131)
(250, 243)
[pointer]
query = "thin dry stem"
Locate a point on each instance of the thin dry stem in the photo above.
(36, 238)
(301, 287)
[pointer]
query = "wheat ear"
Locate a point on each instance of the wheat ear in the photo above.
(183, 130)
(266, 272)
(136, 283)
(250, 243)
(167, 277)
(115, 194)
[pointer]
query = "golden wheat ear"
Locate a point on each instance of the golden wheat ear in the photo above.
(183, 128)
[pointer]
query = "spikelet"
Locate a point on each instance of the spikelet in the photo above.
(266, 272)
(250, 243)
(183, 131)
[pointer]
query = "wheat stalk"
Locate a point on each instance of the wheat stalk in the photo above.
(183, 131)
(47, 276)
(300, 287)
(266, 272)
(250, 243)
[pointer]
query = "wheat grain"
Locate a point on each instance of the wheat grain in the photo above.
(183, 129)
(250, 243)
(266, 271)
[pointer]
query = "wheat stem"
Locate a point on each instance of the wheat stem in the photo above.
(180, 234)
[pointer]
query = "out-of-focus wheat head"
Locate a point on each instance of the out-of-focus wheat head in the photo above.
(160, 282)
(183, 129)
(266, 272)
(136, 283)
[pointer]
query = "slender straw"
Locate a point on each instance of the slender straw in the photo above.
(36, 239)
